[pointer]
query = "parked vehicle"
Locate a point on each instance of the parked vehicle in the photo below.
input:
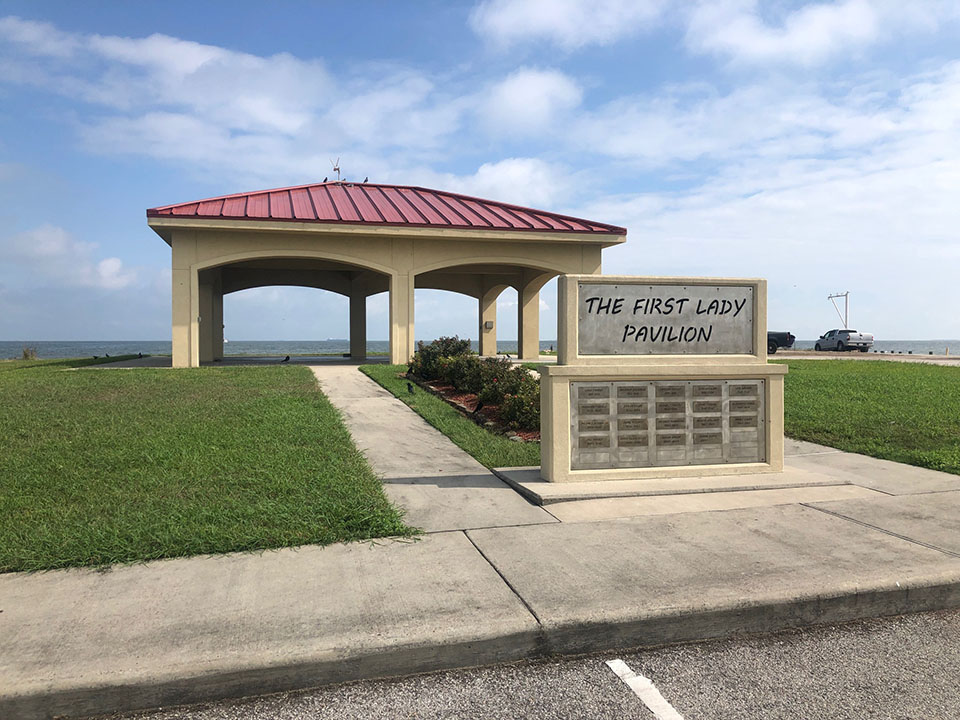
(844, 340)
(777, 340)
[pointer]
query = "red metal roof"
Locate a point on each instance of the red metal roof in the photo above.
(375, 204)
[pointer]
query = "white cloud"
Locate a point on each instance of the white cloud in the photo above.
(858, 193)
(223, 112)
(750, 31)
(522, 181)
(570, 24)
(529, 101)
(49, 254)
(808, 35)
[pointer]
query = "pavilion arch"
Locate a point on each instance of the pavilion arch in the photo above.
(362, 239)
(219, 277)
(485, 281)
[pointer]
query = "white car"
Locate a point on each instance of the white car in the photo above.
(844, 340)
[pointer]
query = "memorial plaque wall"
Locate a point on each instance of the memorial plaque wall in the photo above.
(660, 378)
(666, 422)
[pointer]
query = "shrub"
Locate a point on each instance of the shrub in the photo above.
(29, 353)
(493, 372)
(521, 409)
(464, 373)
(426, 361)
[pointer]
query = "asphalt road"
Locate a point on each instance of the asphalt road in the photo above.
(906, 667)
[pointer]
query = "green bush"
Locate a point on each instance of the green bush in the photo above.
(493, 374)
(426, 361)
(464, 373)
(521, 409)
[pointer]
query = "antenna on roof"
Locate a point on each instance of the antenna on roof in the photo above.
(336, 168)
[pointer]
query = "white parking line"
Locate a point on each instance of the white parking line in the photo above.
(644, 689)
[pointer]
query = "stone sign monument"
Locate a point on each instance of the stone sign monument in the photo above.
(659, 377)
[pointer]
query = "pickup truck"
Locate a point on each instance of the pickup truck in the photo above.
(776, 340)
(844, 340)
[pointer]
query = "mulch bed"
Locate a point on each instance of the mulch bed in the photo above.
(466, 403)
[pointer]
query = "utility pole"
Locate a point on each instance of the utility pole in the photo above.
(845, 318)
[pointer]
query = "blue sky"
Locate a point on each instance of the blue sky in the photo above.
(814, 144)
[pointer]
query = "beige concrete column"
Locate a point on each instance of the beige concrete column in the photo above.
(358, 323)
(591, 263)
(185, 306)
(528, 314)
(401, 318)
(206, 320)
(217, 320)
(488, 314)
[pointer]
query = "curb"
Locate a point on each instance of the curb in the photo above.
(571, 637)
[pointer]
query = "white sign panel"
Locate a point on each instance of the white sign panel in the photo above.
(651, 319)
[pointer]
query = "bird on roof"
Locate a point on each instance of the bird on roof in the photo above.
(365, 179)
(286, 359)
(324, 179)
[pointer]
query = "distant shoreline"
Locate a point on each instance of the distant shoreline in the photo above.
(56, 349)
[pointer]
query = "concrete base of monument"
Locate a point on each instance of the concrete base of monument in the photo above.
(529, 483)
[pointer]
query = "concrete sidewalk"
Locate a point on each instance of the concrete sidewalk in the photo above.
(494, 579)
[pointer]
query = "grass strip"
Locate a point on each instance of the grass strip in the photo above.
(106, 466)
(490, 449)
(906, 412)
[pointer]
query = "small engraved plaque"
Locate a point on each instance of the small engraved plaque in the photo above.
(600, 441)
(593, 409)
(650, 423)
(594, 425)
(706, 423)
(670, 407)
(671, 391)
(707, 406)
(593, 393)
(671, 424)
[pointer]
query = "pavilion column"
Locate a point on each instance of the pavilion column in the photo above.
(488, 315)
(401, 318)
(217, 320)
(206, 320)
(185, 306)
(358, 321)
(528, 314)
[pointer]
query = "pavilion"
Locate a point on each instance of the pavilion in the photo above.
(360, 239)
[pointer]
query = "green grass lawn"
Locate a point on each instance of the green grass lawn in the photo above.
(907, 412)
(488, 448)
(104, 466)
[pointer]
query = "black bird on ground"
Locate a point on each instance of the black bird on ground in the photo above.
(106, 354)
(410, 388)
(139, 355)
(286, 359)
